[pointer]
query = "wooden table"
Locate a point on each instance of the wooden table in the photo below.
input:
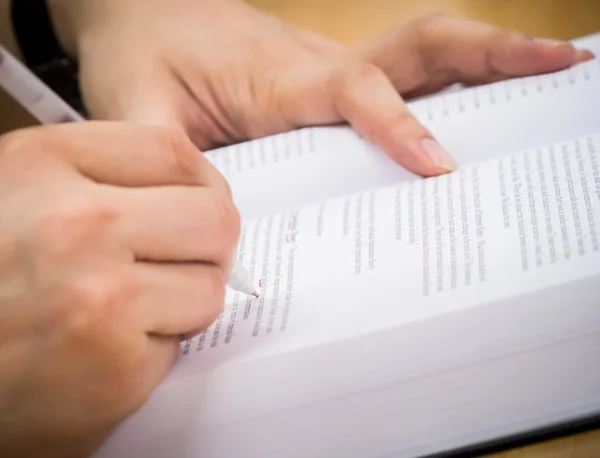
(350, 21)
(354, 20)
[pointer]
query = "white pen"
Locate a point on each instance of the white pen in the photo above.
(48, 108)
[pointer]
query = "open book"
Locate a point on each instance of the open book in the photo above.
(402, 316)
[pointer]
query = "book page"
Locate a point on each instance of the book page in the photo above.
(309, 165)
(495, 266)
(411, 251)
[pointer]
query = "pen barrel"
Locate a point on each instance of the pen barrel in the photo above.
(34, 95)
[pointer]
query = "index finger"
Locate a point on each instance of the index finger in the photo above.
(131, 155)
(362, 95)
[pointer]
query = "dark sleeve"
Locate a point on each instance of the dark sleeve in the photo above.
(42, 52)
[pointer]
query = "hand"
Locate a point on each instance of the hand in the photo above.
(115, 241)
(226, 72)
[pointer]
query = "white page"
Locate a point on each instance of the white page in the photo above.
(288, 170)
(220, 399)
(462, 378)
(388, 391)
(412, 251)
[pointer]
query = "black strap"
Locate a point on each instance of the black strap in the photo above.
(42, 52)
(35, 33)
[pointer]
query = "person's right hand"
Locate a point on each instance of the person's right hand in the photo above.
(115, 241)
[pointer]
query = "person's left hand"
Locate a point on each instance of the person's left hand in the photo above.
(226, 72)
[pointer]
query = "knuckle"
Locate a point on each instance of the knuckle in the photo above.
(89, 312)
(184, 156)
(71, 225)
(513, 43)
(98, 301)
(95, 293)
(359, 71)
(429, 31)
(363, 70)
(352, 77)
(428, 23)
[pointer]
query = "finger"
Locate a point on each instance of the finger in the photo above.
(363, 96)
(437, 50)
(179, 299)
(178, 224)
(131, 155)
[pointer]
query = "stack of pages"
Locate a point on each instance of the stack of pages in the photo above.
(401, 316)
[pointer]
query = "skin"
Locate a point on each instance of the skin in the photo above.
(87, 268)
(102, 224)
(226, 72)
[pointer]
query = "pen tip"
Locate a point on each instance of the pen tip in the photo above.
(255, 294)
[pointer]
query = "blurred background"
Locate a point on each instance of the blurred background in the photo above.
(350, 21)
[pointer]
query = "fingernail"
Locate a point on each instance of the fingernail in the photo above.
(584, 54)
(550, 42)
(438, 155)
